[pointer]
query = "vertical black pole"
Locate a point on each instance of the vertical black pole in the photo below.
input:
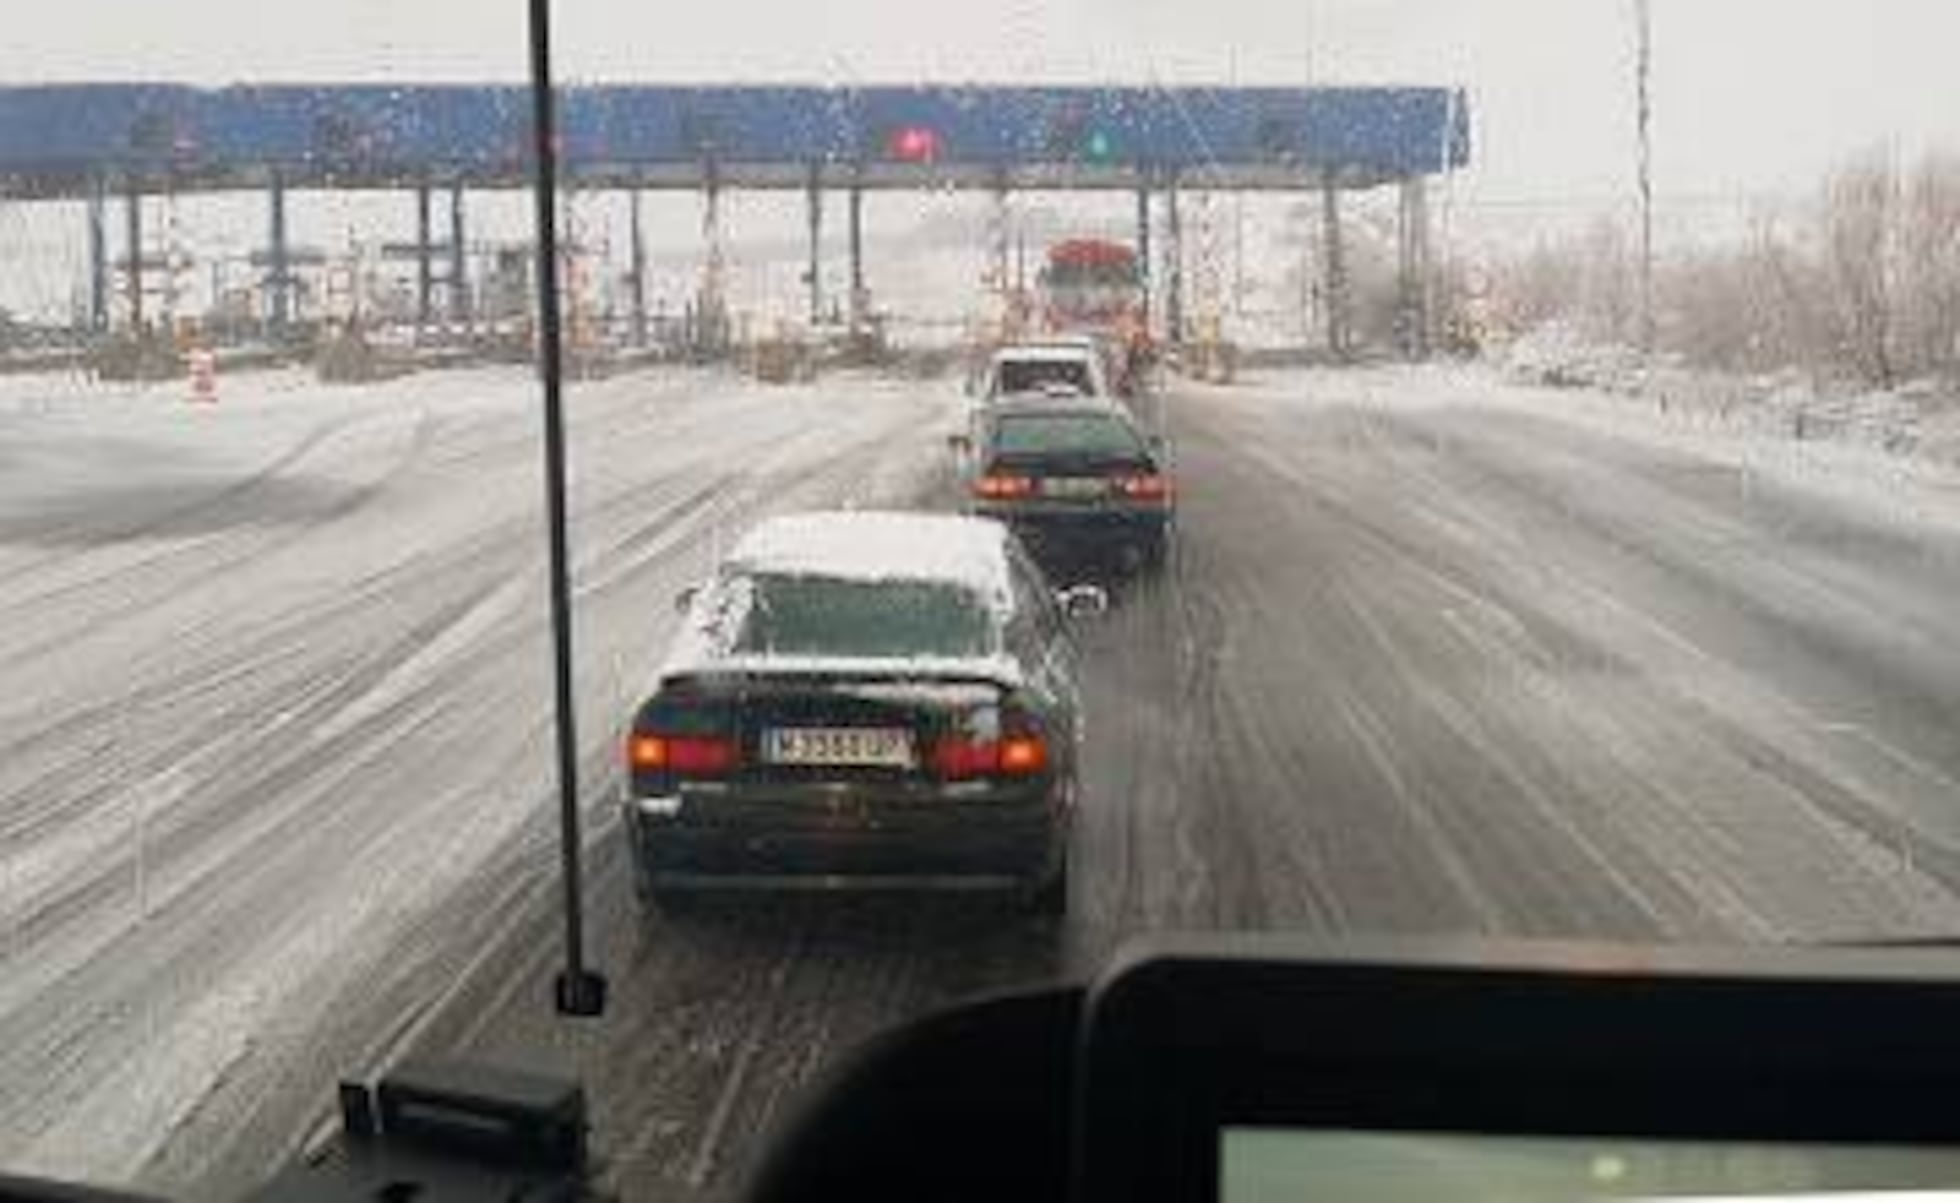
(459, 271)
(1143, 245)
(579, 990)
(712, 305)
(1335, 267)
(424, 270)
(816, 243)
(638, 236)
(1644, 119)
(1421, 275)
(98, 258)
(857, 257)
(1173, 267)
(280, 281)
(133, 242)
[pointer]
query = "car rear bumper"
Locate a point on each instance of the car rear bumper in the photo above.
(792, 840)
(1083, 527)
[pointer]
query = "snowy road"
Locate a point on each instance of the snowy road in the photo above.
(276, 692)
(1436, 655)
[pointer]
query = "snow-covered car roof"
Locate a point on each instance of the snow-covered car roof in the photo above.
(879, 545)
(1059, 352)
(1039, 404)
(694, 655)
(1049, 391)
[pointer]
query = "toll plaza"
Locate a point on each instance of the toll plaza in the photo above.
(110, 145)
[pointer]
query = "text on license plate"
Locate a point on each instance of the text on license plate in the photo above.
(1074, 486)
(859, 746)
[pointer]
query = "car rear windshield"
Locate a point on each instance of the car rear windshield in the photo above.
(1090, 275)
(1099, 436)
(1030, 375)
(826, 616)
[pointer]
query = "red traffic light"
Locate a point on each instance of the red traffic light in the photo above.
(915, 144)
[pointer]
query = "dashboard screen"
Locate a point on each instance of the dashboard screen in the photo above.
(1284, 1165)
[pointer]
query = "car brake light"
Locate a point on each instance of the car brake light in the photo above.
(683, 755)
(959, 759)
(1020, 752)
(1023, 755)
(1151, 486)
(996, 485)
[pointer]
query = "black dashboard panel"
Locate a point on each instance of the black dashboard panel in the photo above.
(1185, 1038)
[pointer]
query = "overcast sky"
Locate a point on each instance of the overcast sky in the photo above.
(1756, 96)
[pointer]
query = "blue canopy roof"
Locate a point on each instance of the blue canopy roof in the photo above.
(58, 139)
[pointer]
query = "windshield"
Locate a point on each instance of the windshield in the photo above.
(892, 619)
(1523, 501)
(1092, 435)
(1030, 375)
(1090, 275)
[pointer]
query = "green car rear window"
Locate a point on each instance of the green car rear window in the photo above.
(1067, 434)
(823, 616)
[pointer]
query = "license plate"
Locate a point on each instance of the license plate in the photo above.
(1074, 487)
(855, 747)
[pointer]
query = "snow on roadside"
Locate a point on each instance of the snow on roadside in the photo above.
(1906, 489)
(1919, 418)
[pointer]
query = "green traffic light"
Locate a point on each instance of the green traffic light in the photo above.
(1100, 146)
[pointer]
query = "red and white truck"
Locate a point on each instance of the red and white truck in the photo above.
(1095, 287)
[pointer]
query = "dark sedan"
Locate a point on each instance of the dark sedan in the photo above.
(1076, 479)
(863, 700)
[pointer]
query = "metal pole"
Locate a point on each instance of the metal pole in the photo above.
(173, 258)
(98, 257)
(1238, 254)
(1408, 304)
(579, 990)
(1173, 266)
(999, 225)
(639, 251)
(857, 258)
(1422, 298)
(1143, 245)
(424, 270)
(281, 268)
(712, 305)
(1335, 266)
(459, 272)
(133, 239)
(814, 196)
(1644, 15)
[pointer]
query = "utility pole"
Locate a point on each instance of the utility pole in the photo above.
(1643, 15)
(579, 990)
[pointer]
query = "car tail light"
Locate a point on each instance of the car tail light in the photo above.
(996, 485)
(1020, 750)
(683, 755)
(958, 758)
(1147, 486)
(1023, 755)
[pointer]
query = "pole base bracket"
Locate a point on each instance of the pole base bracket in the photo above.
(581, 994)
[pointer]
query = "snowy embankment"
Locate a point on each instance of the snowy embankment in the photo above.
(1919, 419)
(1890, 486)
